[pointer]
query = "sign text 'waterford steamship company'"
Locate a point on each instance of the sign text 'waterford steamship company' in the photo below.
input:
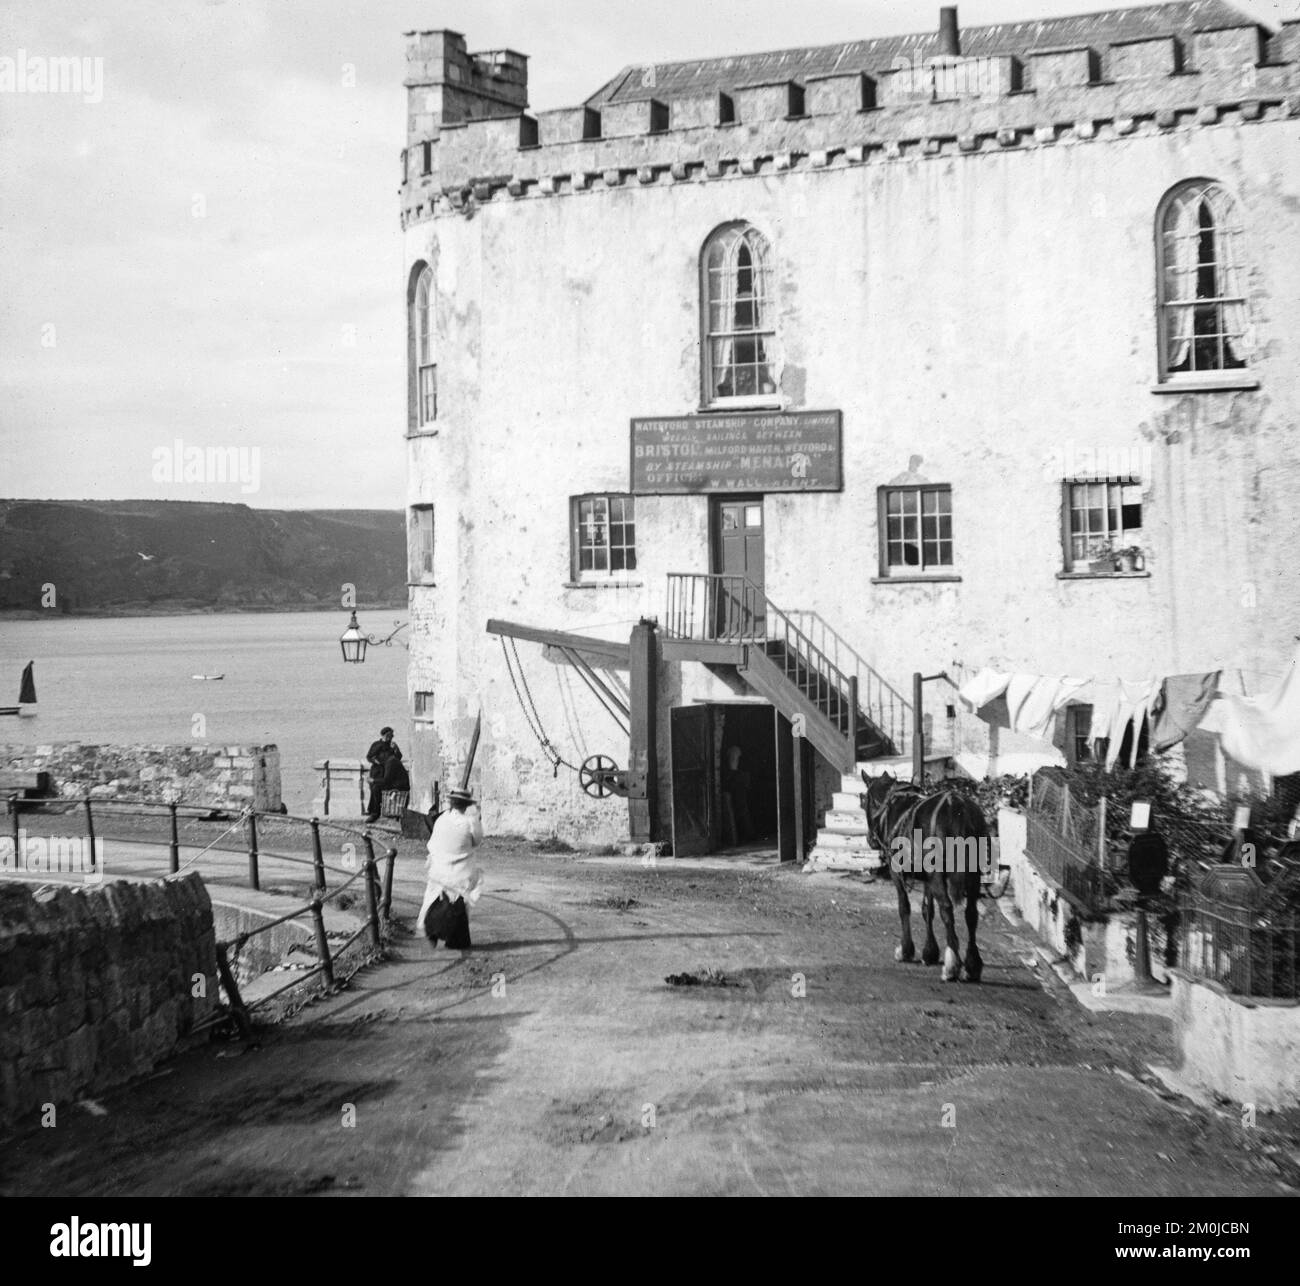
(759, 451)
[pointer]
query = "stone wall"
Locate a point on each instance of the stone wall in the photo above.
(1243, 1049)
(216, 776)
(98, 985)
(1100, 949)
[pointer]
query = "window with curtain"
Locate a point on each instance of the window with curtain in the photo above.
(1204, 321)
(740, 331)
(426, 377)
(603, 537)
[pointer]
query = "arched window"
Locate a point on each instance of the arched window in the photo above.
(1204, 322)
(739, 321)
(423, 368)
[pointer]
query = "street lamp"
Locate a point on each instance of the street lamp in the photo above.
(354, 642)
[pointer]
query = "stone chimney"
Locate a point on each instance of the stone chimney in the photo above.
(446, 84)
(949, 33)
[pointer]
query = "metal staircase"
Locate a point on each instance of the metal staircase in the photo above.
(849, 713)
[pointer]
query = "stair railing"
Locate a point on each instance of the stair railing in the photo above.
(726, 608)
(882, 703)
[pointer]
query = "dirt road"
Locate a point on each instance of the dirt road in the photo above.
(554, 1058)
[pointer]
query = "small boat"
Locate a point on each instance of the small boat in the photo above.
(26, 707)
(211, 677)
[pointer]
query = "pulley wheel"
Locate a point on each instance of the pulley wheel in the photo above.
(595, 775)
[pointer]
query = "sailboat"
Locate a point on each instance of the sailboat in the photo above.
(26, 707)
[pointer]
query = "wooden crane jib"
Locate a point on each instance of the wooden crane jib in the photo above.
(599, 776)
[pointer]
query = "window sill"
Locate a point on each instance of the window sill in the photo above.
(604, 584)
(1103, 575)
(937, 579)
(765, 402)
(421, 584)
(421, 433)
(1208, 384)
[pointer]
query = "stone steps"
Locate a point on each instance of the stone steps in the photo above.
(832, 859)
(844, 840)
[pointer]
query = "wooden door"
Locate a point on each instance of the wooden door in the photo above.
(738, 557)
(691, 765)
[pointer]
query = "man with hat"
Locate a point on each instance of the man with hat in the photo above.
(453, 878)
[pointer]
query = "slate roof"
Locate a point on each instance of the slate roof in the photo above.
(1098, 30)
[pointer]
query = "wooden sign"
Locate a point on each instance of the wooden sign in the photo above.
(744, 451)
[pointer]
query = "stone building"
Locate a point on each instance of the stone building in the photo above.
(840, 365)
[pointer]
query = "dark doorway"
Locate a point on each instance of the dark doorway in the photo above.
(736, 545)
(747, 780)
(691, 750)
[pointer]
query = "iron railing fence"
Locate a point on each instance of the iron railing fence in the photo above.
(95, 819)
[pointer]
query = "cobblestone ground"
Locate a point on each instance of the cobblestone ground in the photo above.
(555, 1058)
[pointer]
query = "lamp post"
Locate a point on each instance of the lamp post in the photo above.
(354, 642)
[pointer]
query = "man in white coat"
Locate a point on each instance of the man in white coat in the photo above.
(453, 878)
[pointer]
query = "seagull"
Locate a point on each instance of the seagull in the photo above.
(148, 558)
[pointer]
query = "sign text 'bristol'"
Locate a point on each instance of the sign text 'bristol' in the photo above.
(758, 451)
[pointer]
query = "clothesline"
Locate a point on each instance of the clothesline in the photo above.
(1098, 678)
(1260, 731)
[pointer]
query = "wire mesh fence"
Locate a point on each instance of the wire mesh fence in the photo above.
(1195, 844)
(1066, 840)
(1247, 949)
(1235, 905)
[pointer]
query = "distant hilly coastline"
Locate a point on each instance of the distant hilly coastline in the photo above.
(136, 557)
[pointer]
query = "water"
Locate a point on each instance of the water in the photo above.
(128, 679)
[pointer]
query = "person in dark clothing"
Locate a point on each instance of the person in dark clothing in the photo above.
(738, 827)
(377, 757)
(395, 775)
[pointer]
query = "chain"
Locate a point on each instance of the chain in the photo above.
(529, 708)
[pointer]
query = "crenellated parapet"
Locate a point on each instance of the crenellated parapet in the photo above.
(919, 104)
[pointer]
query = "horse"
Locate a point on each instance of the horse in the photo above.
(896, 811)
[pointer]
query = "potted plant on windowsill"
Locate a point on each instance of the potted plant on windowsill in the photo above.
(1101, 558)
(1129, 559)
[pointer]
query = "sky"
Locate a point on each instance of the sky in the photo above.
(202, 249)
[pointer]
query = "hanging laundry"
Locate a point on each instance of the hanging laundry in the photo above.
(1180, 706)
(1116, 707)
(1106, 700)
(985, 694)
(1263, 732)
(983, 688)
(1025, 703)
(1033, 700)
